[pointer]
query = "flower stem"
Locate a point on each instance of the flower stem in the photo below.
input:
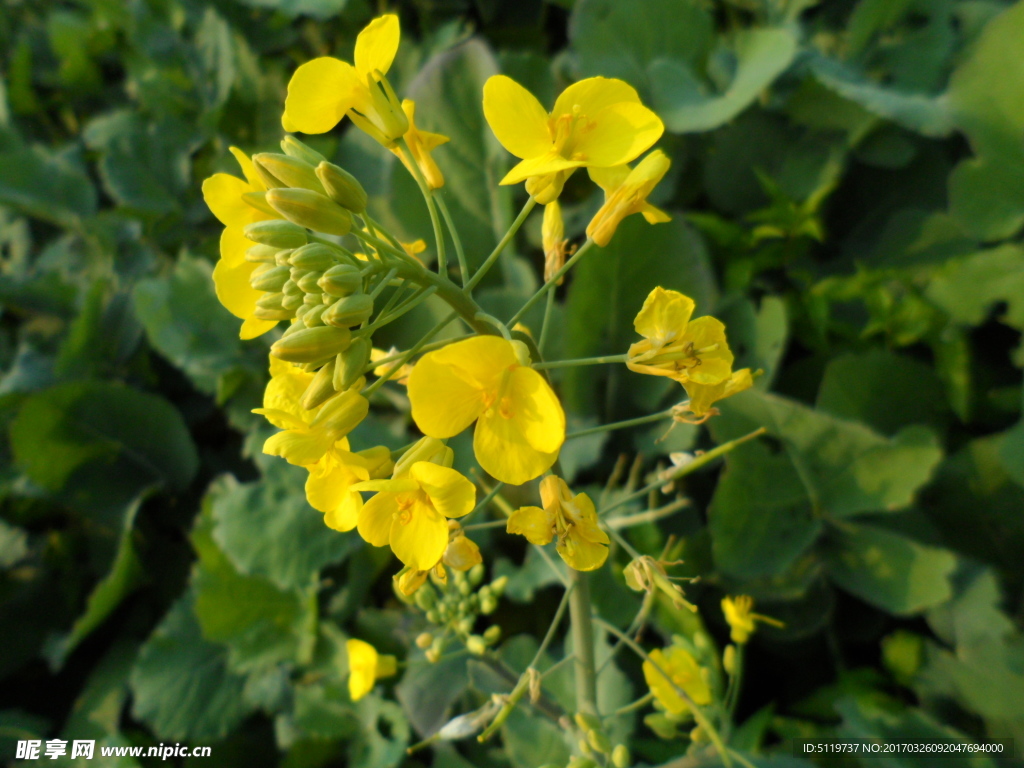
(489, 261)
(580, 361)
(661, 415)
(460, 254)
(546, 321)
(428, 198)
(550, 284)
(583, 643)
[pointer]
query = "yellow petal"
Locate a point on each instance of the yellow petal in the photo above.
(375, 519)
(253, 327)
(715, 365)
(248, 170)
(377, 45)
(536, 410)
(320, 93)
(504, 453)
(703, 396)
(284, 393)
(419, 537)
(231, 283)
(682, 670)
(580, 554)
(654, 215)
(532, 522)
(518, 120)
(384, 485)
(362, 668)
(540, 165)
(592, 95)
(345, 516)
(298, 447)
(619, 134)
(223, 195)
(665, 315)
(451, 494)
(587, 524)
(331, 479)
(609, 179)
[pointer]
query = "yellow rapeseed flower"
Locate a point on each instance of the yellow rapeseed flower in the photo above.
(704, 396)
(223, 194)
(625, 193)
(572, 520)
(324, 90)
(739, 614)
(684, 672)
(330, 481)
(401, 376)
(675, 346)
(366, 667)
(597, 122)
(408, 512)
(421, 144)
(520, 425)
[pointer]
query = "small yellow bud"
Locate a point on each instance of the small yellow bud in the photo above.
(271, 279)
(350, 363)
(291, 171)
(310, 209)
(342, 187)
(698, 735)
(349, 311)
(262, 254)
(258, 200)
(492, 635)
(295, 148)
(320, 389)
(343, 413)
(270, 300)
(308, 284)
(599, 742)
(262, 313)
(424, 640)
(341, 280)
(315, 257)
(311, 345)
(729, 660)
(620, 756)
(476, 645)
(278, 233)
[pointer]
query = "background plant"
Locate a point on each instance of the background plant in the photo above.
(846, 187)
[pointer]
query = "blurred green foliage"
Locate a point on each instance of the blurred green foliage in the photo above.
(848, 194)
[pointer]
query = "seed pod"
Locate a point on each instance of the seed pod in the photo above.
(295, 148)
(270, 300)
(281, 234)
(290, 170)
(315, 256)
(350, 363)
(262, 254)
(342, 187)
(311, 345)
(258, 200)
(272, 279)
(349, 311)
(320, 389)
(341, 280)
(310, 209)
(272, 314)
(309, 285)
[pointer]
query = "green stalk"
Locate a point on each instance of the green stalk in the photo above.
(583, 643)
(550, 284)
(489, 261)
(414, 169)
(620, 424)
(460, 254)
(547, 319)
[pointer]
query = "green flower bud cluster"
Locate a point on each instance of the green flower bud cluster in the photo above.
(456, 606)
(595, 742)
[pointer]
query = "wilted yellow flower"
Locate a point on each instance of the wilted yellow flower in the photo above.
(408, 512)
(401, 376)
(704, 396)
(553, 237)
(366, 667)
(645, 574)
(741, 618)
(520, 425)
(223, 194)
(421, 144)
(572, 520)
(677, 347)
(324, 90)
(462, 553)
(684, 672)
(597, 122)
(625, 193)
(330, 481)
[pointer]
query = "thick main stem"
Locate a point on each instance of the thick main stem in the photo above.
(583, 643)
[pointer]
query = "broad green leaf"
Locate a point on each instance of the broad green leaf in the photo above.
(607, 291)
(46, 187)
(967, 288)
(760, 518)
(757, 335)
(217, 53)
(122, 437)
(761, 56)
(384, 736)
(267, 529)
(890, 571)
(531, 740)
(325, 711)
(428, 691)
(611, 39)
(260, 623)
(986, 196)
(181, 683)
(845, 467)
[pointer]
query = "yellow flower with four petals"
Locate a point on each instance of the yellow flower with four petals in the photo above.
(625, 193)
(683, 672)
(366, 667)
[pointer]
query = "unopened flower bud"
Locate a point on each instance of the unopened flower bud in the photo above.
(620, 756)
(350, 363)
(492, 635)
(310, 209)
(476, 645)
(320, 389)
(462, 554)
(587, 722)
(311, 345)
(349, 311)
(342, 187)
(270, 279)
(270, 300)
(263, 313)
(309, 285)
(343, 413)
(262, 254)
(729, 660)
(316, 257)
(258, 200)
(547, 187)
(424, 640)
(341, 280)
(498, 585)
(283, 257)
(476, 574)
(278, 233)
(295, 148)
(599, 742)
(426, 599)
(289, 170)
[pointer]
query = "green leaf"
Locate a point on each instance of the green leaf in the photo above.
(325, 711)
(46, 187)
(185, 323)
(846, 468)
(120, 437)
(888, 570)
(181, 683)
(260, 623)
(267, 529)
(608, 289)
(986, 196)
(318, 9)
(967, 288)
(531, 741)
(612, 39)
(428, 691)
(761, 56)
